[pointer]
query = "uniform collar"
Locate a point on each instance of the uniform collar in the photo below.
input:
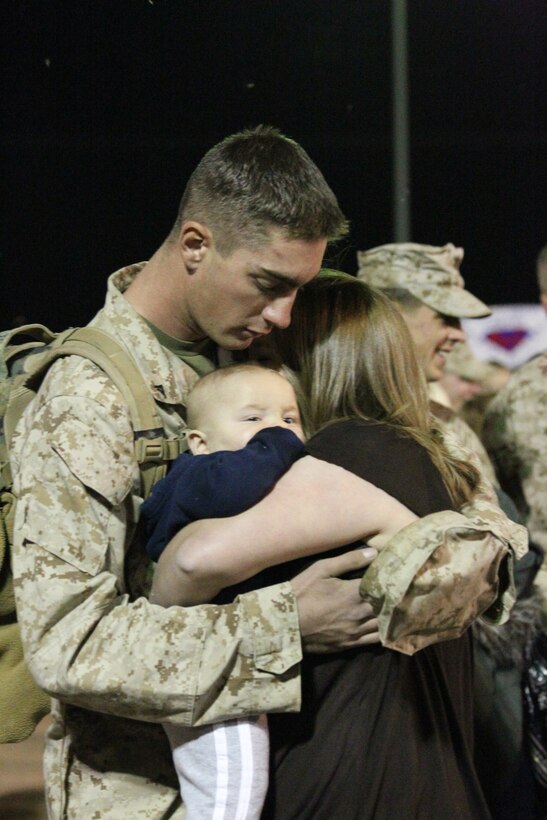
(169, 378)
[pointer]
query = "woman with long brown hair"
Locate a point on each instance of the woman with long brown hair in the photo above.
(381, 734)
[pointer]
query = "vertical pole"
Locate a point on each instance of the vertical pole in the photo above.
(401, 164)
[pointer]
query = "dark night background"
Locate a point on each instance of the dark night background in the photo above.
(109, 105)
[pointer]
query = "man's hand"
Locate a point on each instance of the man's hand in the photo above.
(332, 614)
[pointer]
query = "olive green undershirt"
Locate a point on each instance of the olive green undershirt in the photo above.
(200, 356)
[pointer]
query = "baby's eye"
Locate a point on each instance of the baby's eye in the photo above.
(251, 418)
(291, 420)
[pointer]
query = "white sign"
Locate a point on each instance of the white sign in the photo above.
(512, 335)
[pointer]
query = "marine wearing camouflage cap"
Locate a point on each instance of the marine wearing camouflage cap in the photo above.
(431, 274)
(463, 363)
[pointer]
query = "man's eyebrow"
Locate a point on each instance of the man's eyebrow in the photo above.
(281, 278)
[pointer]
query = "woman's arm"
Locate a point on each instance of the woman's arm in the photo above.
(316, 506)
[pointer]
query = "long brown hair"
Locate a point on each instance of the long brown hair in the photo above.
(350, 355)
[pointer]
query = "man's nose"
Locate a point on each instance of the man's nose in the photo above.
(474, 389)
(278, 312)
(457, 333)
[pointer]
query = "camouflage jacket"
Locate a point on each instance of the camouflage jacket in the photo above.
(515, 434)
(116, 665)
(82, 576)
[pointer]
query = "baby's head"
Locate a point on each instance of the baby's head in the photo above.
(229, 406)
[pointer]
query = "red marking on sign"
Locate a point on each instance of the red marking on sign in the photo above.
(508, 339)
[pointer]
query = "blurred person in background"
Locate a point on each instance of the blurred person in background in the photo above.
(515, 433)
(465, 377)
(468, 385)
(474, 410)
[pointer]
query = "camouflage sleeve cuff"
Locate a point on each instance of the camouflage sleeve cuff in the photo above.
(273, 639)
(266, 673)
(436, 576)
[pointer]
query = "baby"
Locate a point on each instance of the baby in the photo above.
(223, 769)
(245, 432)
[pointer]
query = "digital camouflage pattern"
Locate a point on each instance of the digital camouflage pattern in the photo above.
(430, 273)
(463, 363)
(430, 585)
(81, 574)
(462, 432)
(116, 665)
(515, 434)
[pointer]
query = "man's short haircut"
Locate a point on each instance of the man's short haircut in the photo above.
(256, 180)
(199, 398)
(542, 270)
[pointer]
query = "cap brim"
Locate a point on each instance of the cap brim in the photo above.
(453, 301)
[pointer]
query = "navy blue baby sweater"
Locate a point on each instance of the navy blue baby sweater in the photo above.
(217, 485)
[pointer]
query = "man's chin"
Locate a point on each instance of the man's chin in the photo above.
(238, 339)
(232, 343)
(434, 374)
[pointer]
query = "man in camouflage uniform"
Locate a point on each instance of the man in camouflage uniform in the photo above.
(252, 228)
(426, 283)
(465, 377)
(515, 433)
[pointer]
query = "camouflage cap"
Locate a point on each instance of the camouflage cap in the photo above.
(431, 274)
(463, 363)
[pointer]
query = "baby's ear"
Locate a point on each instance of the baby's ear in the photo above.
(197, 442)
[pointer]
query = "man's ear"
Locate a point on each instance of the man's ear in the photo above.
(197, 442)
(195, 239)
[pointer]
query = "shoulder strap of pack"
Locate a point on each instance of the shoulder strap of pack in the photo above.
(152, 447)
(35, 336)
(15, 345)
